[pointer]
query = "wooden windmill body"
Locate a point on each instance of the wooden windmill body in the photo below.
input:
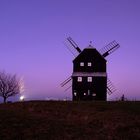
(89, 77)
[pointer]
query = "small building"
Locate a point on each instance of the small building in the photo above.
(89, 77)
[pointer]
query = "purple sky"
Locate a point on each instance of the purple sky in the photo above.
(32, 33)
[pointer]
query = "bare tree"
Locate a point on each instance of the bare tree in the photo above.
(9, 85)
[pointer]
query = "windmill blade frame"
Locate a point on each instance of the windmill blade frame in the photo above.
(66, 81)
(110, 48)
(110, 87)
(74, 45)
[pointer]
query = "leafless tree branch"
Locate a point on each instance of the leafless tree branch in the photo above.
(9, 85)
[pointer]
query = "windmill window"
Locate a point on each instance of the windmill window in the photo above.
(81, 64)
(79, 79)
(89, 79)
(89, 64)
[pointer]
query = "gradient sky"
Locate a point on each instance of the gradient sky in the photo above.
(32, 33)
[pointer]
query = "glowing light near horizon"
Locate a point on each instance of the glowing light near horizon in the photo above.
(22, 98)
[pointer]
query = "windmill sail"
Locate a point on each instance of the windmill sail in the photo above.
(110, 87)
(69, 49)
(68, 88)
(73, 44)
(66, 81)
(110, 48)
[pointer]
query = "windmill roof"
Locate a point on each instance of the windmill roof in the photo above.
(89, 51)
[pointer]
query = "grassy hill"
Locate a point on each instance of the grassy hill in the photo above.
(56, 120)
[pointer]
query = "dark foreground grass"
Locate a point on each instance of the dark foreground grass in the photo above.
(55, 120)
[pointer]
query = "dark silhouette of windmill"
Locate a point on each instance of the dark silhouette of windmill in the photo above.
(89, 77)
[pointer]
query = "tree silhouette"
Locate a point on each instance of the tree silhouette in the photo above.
(9, 85)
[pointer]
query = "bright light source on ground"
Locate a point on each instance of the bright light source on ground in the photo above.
(22, 98)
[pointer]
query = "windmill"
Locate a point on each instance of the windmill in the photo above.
(89, 77)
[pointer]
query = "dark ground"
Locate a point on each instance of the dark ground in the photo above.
(57, 120)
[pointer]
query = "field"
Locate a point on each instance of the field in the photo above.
(58, 120)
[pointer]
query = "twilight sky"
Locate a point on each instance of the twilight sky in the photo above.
(32, 33)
